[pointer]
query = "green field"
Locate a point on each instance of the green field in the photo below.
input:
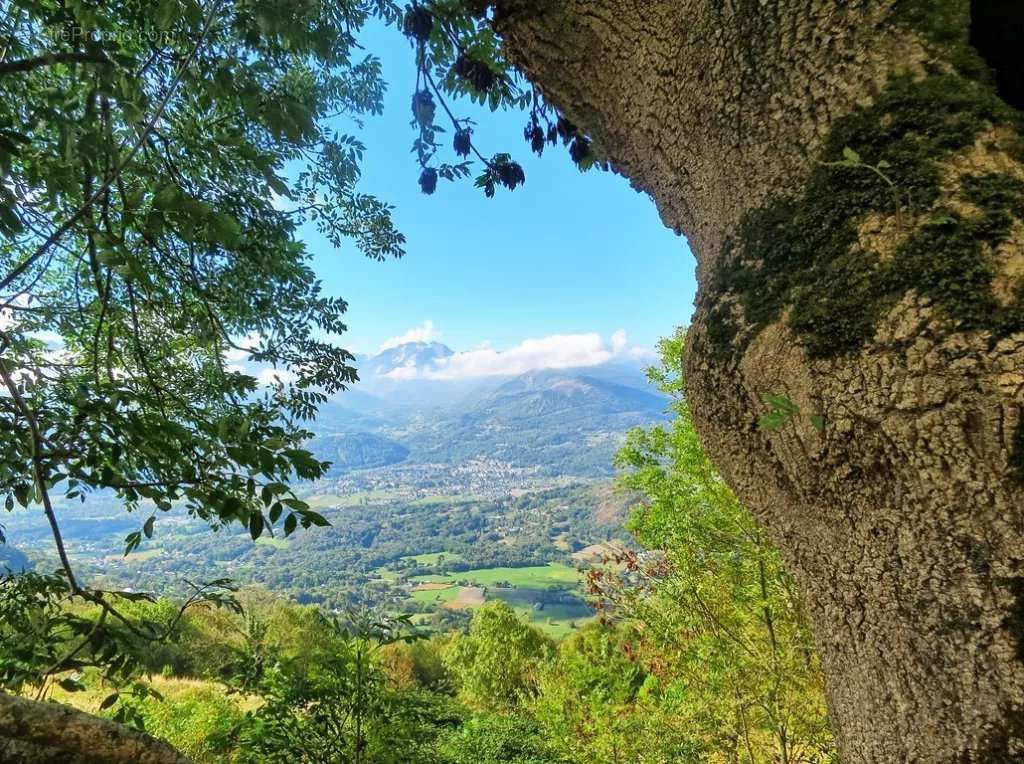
(553, 576)
(433, 558)
(140, 556)
(352, 500)
(435, 595)
(531, 585)
(277, 543)
(552, 621)
(555, 619)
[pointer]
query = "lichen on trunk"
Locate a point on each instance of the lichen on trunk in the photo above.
(852, 184)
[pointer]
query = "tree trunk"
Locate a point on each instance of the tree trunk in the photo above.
(52, 733)
(853, 188)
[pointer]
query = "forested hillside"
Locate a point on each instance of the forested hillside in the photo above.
(562, 422)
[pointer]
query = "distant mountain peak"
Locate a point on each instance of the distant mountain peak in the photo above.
(407, 355)
(412, 348)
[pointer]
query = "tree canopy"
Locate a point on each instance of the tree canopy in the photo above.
(159, 157)
(150, 222)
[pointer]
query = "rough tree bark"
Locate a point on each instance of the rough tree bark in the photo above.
(45, 733)
(853, 188)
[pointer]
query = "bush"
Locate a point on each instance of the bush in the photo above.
(198, 720)
(495, 740)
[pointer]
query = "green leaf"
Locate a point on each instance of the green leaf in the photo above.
(167, 197)
(314, 518)
(818, 420)
(108, 701)
(256, 524)
(782, 403)
(147, 528)
(275, 512)
(290, 524)
(131, 542)
(225, 229)
(772, 421)
(851, 156)
(278, 186)
(71, 684)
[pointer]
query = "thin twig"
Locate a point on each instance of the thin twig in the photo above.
(40, 477)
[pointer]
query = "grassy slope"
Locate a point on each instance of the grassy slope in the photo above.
(552, 576)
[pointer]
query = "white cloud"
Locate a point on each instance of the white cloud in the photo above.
(619, 341)
(244, 347)
(49, 337)
(403, 373)
(425, 333)
(556, 351)
(270, 377)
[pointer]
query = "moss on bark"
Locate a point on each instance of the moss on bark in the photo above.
(802, 254)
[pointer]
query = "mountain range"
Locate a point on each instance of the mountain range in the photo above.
(560, 421)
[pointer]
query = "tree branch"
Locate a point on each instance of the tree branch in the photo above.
(39, 474)
(49, 59)
(52, 733)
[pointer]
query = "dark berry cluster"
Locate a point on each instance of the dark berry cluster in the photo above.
(462, 143)
(561, 130)
(428, 180)
(475, 72)
(423, 108)
(501, 170)
(418, 23)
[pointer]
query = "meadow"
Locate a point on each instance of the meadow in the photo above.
(550, 576)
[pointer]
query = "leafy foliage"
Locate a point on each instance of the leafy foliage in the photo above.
(157, 159)
(495, 661)
(712, 613)
(201, 721)
(146, 238)
(337, 708)
(47, 641)
(458, 55)
(496, 740)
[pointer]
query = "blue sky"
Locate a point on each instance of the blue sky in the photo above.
(569, 253)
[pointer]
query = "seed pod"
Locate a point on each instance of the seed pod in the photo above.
(580, 149)
(477, 73)
(511, 175)
(462, 142)
(534, 134)
(428, 180)
(419, 23)
(566, 129)
(423, 107)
